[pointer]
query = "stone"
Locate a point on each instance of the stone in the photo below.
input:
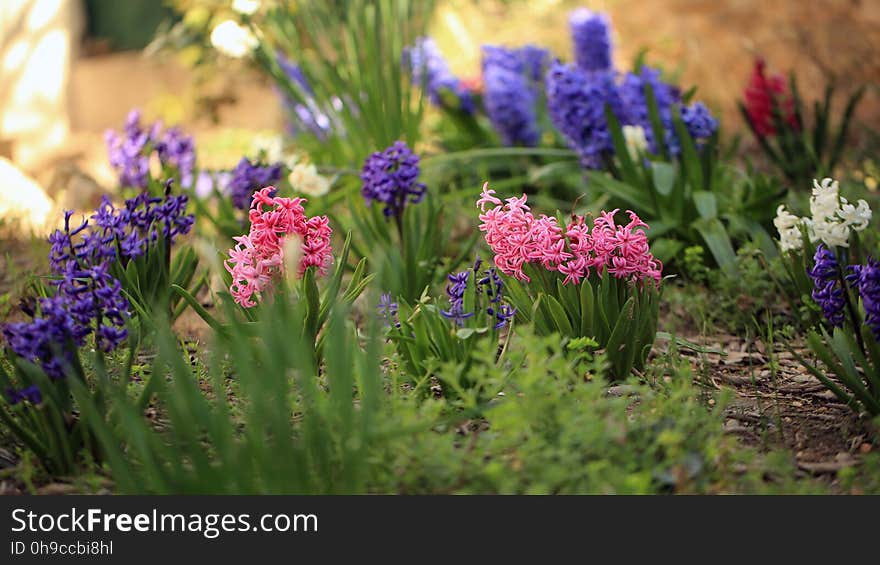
(25, 208)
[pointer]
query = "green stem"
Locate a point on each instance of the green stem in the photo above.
(854, 317)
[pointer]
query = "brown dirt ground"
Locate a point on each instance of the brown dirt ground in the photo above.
(777, 403)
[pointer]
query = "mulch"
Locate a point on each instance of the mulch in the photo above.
(778, 404)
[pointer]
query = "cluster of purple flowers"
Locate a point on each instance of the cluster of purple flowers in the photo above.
(535, 61)
(129, 151)
(577, 95)
(140, 222)
(44, 340)
(428, 67)
(391, 177)
(591, 35)
(30, 394)
(511, 78)
(866, 279)
(88, 299)
(305, 114)
(510, 105)
(698, 120)
(633, 94)
(178, 150)
(529, 60)
(576, 101)
(827, 291)
(490, 283)
(249, 177)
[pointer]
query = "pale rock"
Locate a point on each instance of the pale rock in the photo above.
(24, 205)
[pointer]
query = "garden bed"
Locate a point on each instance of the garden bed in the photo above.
(557, 278)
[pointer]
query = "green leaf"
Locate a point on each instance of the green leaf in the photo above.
(587, 308)
(621, 152)
(632, 195)
(464, 333)
(690, 157)
(840, 138)
(557, 312)
(656, 123)
(619, 349)
(664, 175)
(706, 204)
(718, 242)
(199, 309)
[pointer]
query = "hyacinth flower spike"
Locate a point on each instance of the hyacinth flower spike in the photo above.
(258, 258)
(390, 178)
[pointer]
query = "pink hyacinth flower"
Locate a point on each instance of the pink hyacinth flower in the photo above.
(516, 238)
(258, 257)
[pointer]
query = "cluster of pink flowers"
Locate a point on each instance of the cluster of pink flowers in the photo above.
(258, 257)
(517, 237)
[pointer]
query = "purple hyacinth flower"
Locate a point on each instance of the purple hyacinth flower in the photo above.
(699, 121)
(30, 394)
(249, 177)
(511, 106)
(591, 35)
(178, 150)
(455, 290)
(576, 101)
(428, 67)
(303, 114)
(390, 177)
(129, 151)
(866, 279)
(827, 291)
(633, 94)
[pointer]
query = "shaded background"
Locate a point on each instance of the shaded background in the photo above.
(73, 68)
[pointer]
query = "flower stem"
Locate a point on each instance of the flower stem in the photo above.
(854, 317)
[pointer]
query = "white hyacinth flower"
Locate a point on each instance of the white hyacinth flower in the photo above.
(825, 200)
(784, 219)
(636, 142)
(270, 146)
(856, 217)
(246, 7)
(233, 40)
(833, 217)
(305, 179)
(788, 226)
(790, 240)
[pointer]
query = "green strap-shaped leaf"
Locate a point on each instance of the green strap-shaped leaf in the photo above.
(557, 313)
(706, 204)
(718, 242)
(663, 175)
(587, 309)
(632, 195)
(619, 349)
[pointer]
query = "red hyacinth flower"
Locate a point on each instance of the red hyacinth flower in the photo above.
(760, 94)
